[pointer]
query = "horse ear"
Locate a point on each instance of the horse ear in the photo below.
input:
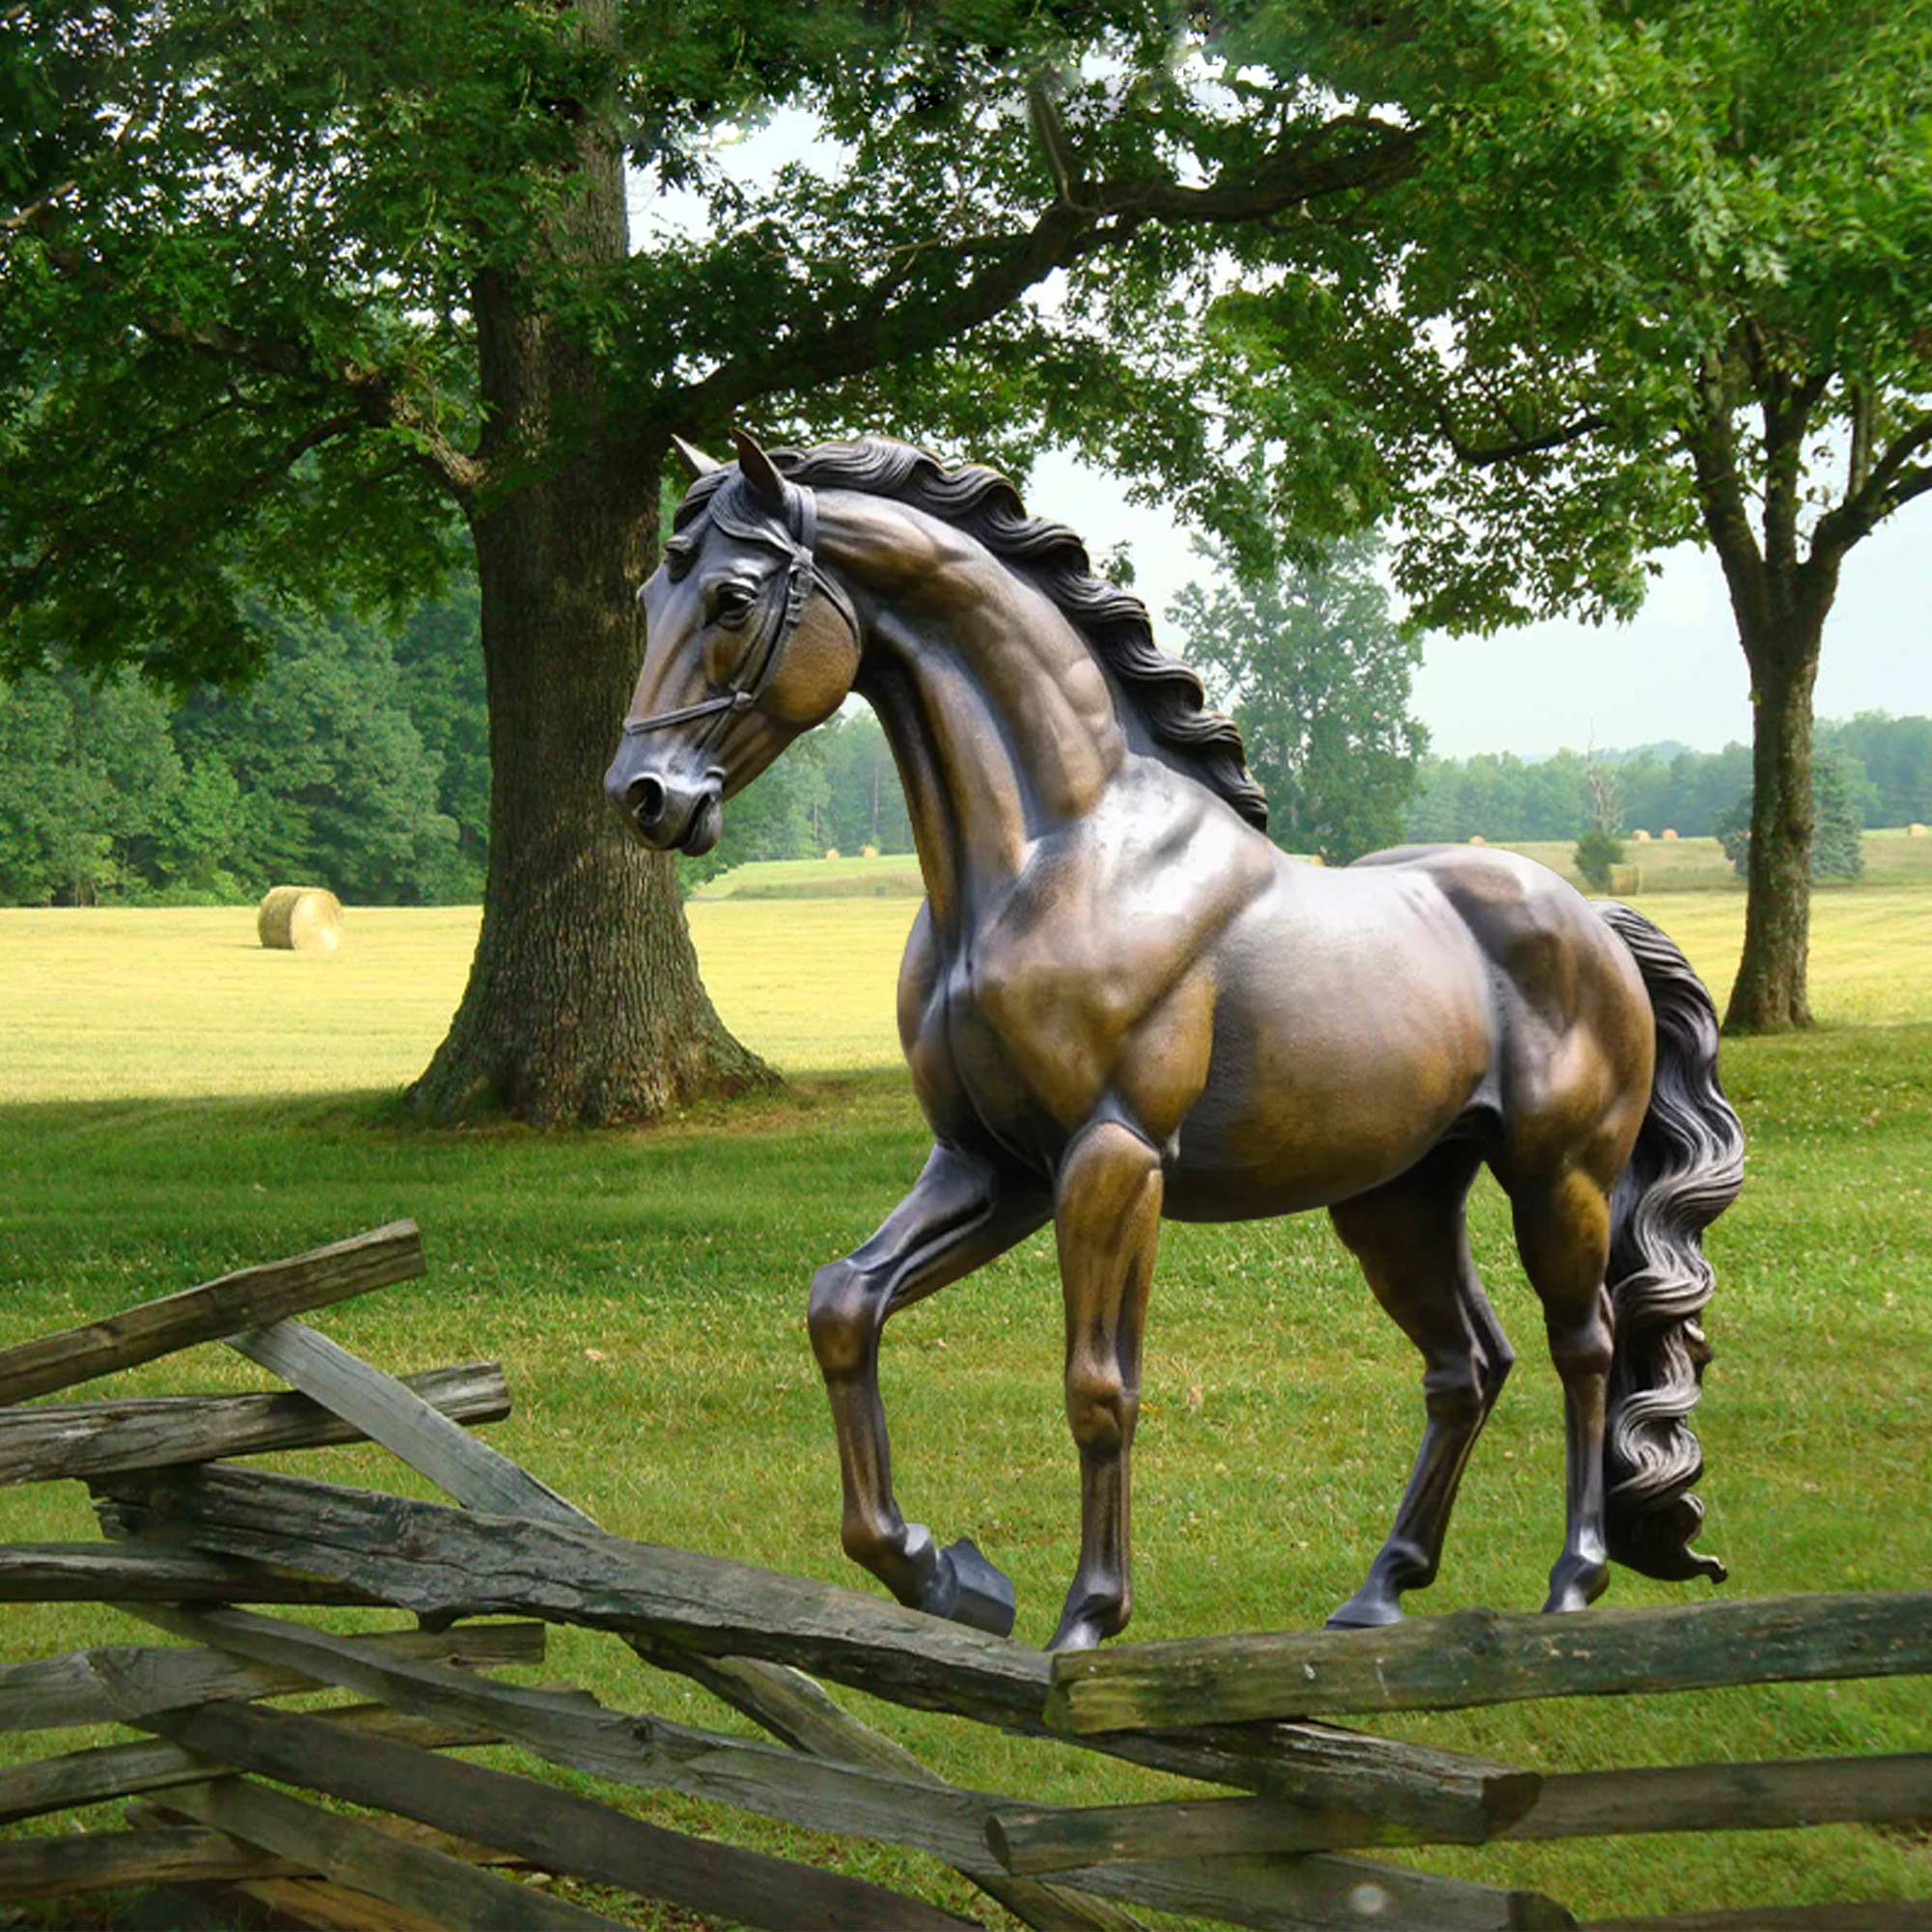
(695, 463)
(755, 467)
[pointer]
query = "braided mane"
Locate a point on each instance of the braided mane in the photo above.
(1159, 692)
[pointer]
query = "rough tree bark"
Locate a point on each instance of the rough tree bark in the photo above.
(584, 1003)
(1781, 597)
(1768, 995)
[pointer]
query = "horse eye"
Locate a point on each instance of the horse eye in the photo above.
(731, 603)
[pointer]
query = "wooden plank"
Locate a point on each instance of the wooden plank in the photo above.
(874, 1804)
(1059, 1839)
(1761, 1797)
(1598, 1803)
(1878, 1915)
(73, 1862)
(324, 1907)
(120, 1770)
(645, 1752)
(146, 1812)
(1317, 1893)
(1483, 1657)
(118, 1684)
(386, 1410)
(217, 1308)
(351, 1853)
(557, 1829)
(97, 1573)
(48, 1442)
(797, 1709)
(479, 1478)
(1372, 1772)
(1328, 1768)
(439, 1561)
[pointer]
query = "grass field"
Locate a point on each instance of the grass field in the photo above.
(174, 1102)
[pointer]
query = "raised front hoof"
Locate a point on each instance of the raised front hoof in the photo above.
(966, 1589)
(1575, 1586)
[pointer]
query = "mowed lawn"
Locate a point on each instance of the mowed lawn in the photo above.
(175, 1102)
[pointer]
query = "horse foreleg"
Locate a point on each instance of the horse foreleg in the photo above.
(1412, 1245)
(960, 1214)
(1563, 1234)
(1107, 1219)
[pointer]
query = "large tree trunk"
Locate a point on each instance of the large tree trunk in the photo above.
(584, 1003)
(1770, 994)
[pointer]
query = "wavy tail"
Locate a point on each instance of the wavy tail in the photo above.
(1686, 1169)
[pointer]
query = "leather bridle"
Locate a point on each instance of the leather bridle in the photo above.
(781, 609)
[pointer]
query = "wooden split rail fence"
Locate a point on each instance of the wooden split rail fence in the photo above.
(207, 1786)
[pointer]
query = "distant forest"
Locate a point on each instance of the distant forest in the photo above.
(359, 760)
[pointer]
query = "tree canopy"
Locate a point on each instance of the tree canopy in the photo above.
(1317, 673)
(1661, 274)
(291, 312)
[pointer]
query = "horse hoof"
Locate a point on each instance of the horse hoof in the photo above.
(1576, 1589)
(966, 1589)
(1363, 1612)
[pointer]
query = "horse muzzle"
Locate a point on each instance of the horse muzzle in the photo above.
(667, 813)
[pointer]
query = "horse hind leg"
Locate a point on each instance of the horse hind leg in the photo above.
(1563, 1234)
(1411, 1240)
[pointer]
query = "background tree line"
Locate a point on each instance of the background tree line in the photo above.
(360, 760)
(1885, 763)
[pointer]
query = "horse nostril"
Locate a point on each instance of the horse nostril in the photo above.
(647, 802)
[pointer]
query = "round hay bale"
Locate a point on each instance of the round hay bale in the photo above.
(868, 851)
(832, 851)
(1477, 839)
(1641, 838)
(1670, 834)
(1914, 830)
(300, 918)
(1625, 881)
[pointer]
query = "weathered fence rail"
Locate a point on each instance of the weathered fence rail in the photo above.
(443, 1840)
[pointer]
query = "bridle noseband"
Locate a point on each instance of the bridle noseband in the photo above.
(778, 616)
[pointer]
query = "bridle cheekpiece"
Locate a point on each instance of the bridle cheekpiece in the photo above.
(740, 511)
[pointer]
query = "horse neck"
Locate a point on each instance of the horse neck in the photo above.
(999, 721)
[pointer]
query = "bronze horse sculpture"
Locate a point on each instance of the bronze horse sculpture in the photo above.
(1120, 1001)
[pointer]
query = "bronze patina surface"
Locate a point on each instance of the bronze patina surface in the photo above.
(1120, 1001)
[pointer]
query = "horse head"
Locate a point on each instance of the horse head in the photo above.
(749, 644)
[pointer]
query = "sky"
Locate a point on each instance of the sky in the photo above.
(1674, 673)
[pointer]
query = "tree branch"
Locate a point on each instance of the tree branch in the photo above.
(891, 323)
(1483, 456)
(1712, 443)
(1891, 481)
(375, 400)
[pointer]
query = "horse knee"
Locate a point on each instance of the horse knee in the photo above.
(1100, 1408)
(841, 1317)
